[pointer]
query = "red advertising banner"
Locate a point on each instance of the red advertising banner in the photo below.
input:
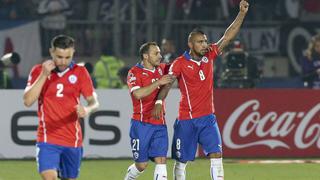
(269, 123)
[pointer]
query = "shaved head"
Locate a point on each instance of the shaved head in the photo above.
(194, 33)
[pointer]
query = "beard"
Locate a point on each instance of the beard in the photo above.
(199, 54)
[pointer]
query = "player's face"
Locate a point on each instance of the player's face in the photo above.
(199, 45)
(154, 56)
(317, 47)
(62, 57)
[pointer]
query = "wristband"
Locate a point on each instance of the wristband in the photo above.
(158, 102)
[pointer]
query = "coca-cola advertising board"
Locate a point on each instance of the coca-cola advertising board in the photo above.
(269, 123)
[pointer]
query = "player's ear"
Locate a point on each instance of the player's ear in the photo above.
(51, 51)
(190, 45)
(145, 56)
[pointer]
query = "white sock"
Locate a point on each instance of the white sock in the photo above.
(216, 169)
(160, 172)
(179, 170)
(132, 173)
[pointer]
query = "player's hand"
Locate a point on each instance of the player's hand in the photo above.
(47, 67)
(244, 6)
(81, 111)
(166, 79)
(157, 111)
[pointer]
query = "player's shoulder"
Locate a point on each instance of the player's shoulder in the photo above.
(79, 68)
(135, 69)
(36, 68)
(214, 49)
(179, 60)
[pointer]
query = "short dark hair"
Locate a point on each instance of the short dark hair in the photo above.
(195, 31)
(62, 41)
(144, 48)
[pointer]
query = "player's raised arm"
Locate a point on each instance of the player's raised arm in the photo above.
(234, 28)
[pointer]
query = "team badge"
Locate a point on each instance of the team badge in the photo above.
(160, 72)
(204, 59)
(135, 155)
(131, 77)
(73, 79)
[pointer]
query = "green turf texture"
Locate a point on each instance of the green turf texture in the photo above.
(197, 170)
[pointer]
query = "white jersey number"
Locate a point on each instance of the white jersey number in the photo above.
(59, 90)
(135, 144)
(201, 74)
(154, 80)
(178, 144)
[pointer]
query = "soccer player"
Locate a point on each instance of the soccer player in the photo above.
(149, 137)
(196, 122)
(57, 85)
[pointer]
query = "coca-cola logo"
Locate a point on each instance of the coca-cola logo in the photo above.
(306, 130)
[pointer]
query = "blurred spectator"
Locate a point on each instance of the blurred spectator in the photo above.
(311, 10)
(53, 13)
(123, 73)
(106, 72)
(10, 10)
(311, 64)
(292, 8)
(168, 50)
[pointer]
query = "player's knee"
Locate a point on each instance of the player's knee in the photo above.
(141, 166)
(49, 175)
(160, 160)
(215, 155)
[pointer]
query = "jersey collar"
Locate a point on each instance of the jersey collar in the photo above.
(189, 58)
(140, 65)
(71, 66)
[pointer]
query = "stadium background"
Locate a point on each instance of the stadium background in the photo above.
(278, 118)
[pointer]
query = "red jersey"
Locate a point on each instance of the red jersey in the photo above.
(196, 84)
(58, 119)
(139, 77)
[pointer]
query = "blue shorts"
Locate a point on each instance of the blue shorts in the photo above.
(188, 133)
(66, 160)
(148, 141)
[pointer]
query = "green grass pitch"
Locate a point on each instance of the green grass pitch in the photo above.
(197, 170)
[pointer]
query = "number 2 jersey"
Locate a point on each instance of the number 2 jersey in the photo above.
(58, 119)
(196, 84)
(139, 77)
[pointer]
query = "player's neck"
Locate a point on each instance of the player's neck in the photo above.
(147, 65)
(194, 56)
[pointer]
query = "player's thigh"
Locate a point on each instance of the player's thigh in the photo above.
(48, 157)
(70, 162)
(159, 142)
(184, 143)
(140, 136)
(209, 136)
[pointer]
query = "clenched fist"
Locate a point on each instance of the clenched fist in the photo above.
(47, 67)
(244, 6)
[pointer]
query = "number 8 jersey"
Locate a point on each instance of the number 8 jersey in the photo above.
(58, 120)
(195, 80)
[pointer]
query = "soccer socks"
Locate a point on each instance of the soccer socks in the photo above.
(179, 170)
(216, 169)
(160, 172)
(132, 173)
